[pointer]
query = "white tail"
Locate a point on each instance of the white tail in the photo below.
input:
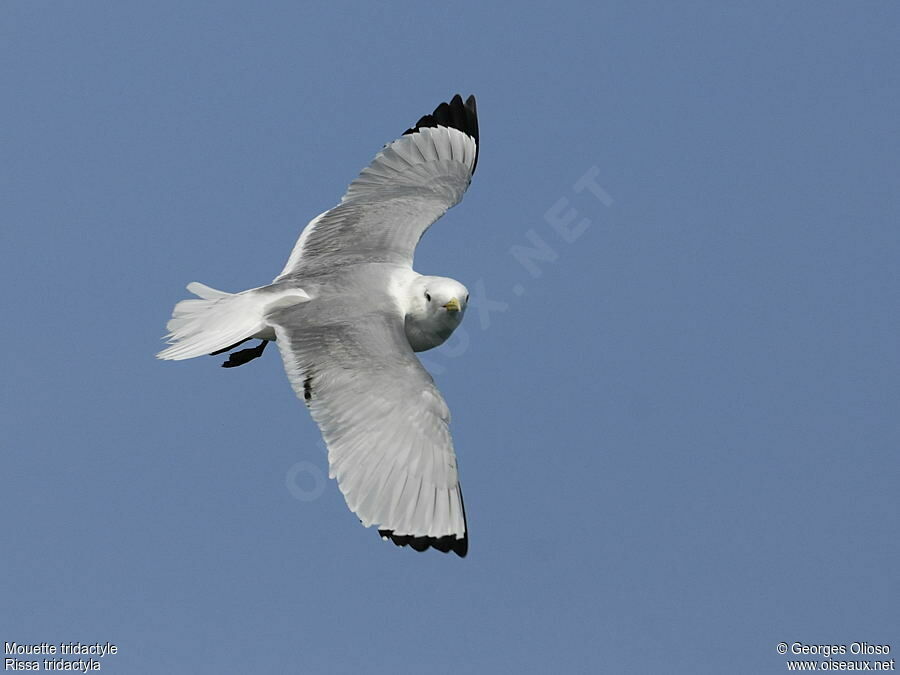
(219, 319)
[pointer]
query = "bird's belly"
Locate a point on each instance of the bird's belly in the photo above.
(267, 333)
(423, 338)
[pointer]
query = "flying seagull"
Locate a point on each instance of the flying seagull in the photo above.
(347, 312)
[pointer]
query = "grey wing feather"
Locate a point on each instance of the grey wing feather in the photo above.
(386, 210)
(382, 418)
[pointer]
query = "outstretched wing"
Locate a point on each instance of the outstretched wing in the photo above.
(408, 186)
(384, 421)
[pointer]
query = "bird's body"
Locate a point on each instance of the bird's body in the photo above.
(347, 313)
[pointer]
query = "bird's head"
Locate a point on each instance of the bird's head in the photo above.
(441, 295)
(436, 308)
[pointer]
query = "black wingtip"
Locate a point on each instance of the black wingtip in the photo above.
(443, 544)
(457, 115)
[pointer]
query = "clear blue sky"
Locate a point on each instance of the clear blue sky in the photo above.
(678, 442)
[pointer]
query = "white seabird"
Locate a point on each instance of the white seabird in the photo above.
(348, 311)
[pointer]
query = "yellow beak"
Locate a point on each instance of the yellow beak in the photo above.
(453, 305)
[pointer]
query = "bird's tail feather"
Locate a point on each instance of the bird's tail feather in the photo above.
(219, 320)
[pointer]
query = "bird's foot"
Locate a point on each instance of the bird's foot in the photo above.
(245, 355)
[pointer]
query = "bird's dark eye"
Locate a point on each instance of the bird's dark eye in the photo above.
(427, 296)
(467, 297)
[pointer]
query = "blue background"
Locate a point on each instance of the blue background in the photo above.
(678, 442)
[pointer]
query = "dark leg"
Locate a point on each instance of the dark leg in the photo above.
(228, 349)
(245, 355)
